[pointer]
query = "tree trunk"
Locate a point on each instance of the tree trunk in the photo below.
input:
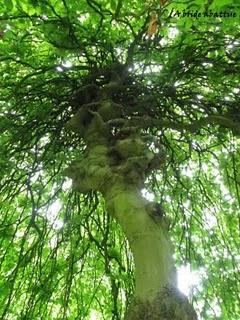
(116, 163)
(148, 240)
(156, 294)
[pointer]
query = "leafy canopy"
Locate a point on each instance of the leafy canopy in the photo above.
(61, 255)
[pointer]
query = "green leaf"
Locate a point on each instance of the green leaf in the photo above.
(8, 4)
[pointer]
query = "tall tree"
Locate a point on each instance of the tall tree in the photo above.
(129, 101)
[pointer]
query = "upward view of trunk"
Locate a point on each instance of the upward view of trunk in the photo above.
(156, 295)
(117, 159)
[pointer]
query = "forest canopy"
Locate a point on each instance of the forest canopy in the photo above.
(61, 255)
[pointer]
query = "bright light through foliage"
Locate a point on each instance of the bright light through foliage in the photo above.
(188, 280)
(157, 95)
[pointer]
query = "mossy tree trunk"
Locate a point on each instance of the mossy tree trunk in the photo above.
(117, 159)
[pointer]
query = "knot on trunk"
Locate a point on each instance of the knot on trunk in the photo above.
(169, 304)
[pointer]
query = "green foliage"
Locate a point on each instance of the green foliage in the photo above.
(61, 256)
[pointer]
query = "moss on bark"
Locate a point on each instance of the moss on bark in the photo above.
(116, 162)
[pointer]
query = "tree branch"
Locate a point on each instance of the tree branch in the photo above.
(191, 127)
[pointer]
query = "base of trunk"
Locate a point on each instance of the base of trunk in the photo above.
(169, 304)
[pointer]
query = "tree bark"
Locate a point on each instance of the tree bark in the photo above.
(116, 163)
(156, 293)
(148, 240)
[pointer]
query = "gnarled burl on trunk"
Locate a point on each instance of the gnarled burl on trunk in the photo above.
(119, 156)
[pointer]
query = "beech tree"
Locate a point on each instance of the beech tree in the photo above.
(119, 154)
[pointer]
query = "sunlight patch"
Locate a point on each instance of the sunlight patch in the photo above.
(52, 213)
(173, 32)
(147, 195)
(188, 279)
(67, 184)
(94, 315)
(60, 69)
(67, 64)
